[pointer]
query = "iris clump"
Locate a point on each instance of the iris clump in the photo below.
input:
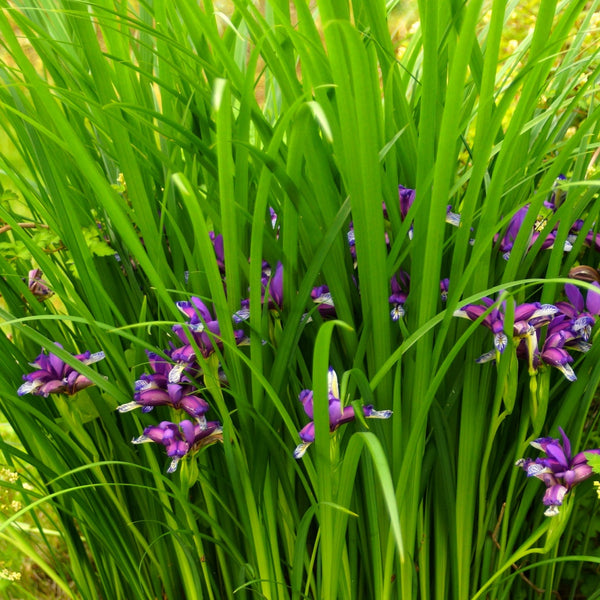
(559, 470)
(569, 326)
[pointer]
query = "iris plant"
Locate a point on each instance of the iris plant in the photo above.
(54, 376)
(338, 414)
(559, 471)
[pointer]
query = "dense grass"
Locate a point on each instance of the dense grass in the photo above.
(140, 129)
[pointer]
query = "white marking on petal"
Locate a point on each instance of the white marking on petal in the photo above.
(567, 246)
(176, 372)
(332, 383)
(128, 407)
(95, 357)
(324, 298)
(487, 357)
(143, 439)
(397, 312)
(28, 387)
(301, 449)
(453, 219)
(567, 371)
(241, 315)
(551, 511)
(380, 414)
(534, 469)
(544, 311)
(500, 341)
(142, 385)
(173, 466)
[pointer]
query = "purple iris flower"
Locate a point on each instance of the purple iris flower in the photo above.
(407, 198)
(156, 389)
(528, 317)
(37, 286)
(204, 329)
(273, 287)
(217, 241)
(400, 284)
(444, 287)
(559, 471)
(181, 439)
(338, 415)
(507, 241)
(582, 320)
(352, 242)
(321, 296)
(54, 376)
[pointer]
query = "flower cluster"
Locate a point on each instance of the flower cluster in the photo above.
(559, 471)
(569, 326)
(338, 414)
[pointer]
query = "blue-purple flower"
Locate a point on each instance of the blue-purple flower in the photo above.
(157, 389)
(338, 415)
(321, 296)
(181, 439)
(559, 471)
(54, 376)
(37, 286)
(400, 285)
(204, 329)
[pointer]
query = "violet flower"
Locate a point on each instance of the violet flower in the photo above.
(37, 286)
(54, 376)
(321, 296)
(559, 471)
(508, 239)
(273, 287)
(444, 287)
(181, 439)
(400, 285)
(204, 329)
(217, 241)
(157, 390)
(338, 415)
(582, 320)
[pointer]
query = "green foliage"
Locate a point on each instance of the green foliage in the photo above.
(141, 127)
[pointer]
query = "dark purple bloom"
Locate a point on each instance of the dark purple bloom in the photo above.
(217, 241)
(203, 328)
(508, 239)
(444, 287)
(181, 439)
(157, 389)
(53, 376)
(37, 286)
(407, 198)
(559, 471)
(338, 415)
(400, 285)
(321, 296)
(273, 287)
(582, 320)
